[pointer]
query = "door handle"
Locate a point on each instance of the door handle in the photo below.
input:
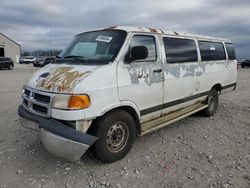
(157, 70)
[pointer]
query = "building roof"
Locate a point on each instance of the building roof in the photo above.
(161, 31)
(10, 39)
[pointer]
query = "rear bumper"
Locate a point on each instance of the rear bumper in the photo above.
(58, 138)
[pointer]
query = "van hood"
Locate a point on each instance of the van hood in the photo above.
(60, 78)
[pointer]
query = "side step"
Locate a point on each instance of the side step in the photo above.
(168, 119)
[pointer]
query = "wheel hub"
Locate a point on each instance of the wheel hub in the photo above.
(211, 103)
(117, 137)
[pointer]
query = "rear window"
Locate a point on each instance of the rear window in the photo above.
(230, 51)
(211, 51)
(180, 50)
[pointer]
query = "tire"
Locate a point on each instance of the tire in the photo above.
(10, 67)
(116, 132)
(212, 101)
(242, 66)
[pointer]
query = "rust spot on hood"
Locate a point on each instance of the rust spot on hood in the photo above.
(62, 79)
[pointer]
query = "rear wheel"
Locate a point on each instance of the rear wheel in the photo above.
(242, 66)
(116, 132)
(10, 67)
(212, 102)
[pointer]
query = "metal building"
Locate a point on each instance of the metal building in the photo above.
(9, 48)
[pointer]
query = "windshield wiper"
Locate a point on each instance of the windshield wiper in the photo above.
(75, 57)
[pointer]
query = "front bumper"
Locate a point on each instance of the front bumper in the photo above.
(58, 138)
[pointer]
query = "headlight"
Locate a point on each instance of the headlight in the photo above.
(71, 102)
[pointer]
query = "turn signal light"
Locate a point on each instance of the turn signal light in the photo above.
(78, 102)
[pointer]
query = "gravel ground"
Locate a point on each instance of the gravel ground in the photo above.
(194, 152)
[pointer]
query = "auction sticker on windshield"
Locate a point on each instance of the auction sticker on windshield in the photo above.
(103, 38)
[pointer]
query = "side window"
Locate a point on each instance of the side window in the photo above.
(180, 50)
(148, 42)
(212, 51)
(230, 51)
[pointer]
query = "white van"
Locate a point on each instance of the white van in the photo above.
(110, 85)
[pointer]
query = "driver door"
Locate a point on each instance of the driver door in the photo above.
(141, 81)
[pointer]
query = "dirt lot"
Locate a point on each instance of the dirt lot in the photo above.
(194, 152)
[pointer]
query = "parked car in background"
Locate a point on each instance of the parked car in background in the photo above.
(239, 61)
(27, 59)
(40, 62)
(6, 62)
(245, 63)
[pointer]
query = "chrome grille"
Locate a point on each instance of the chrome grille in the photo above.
(41, 98)
(40, 109)
(25, 102)
(26, 92)
(37, 102)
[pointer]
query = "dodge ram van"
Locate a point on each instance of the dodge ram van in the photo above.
(111, 85)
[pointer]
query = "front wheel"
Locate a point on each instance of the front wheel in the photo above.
(116, 132)
(212, 102)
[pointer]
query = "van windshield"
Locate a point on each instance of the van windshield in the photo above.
(95, 47)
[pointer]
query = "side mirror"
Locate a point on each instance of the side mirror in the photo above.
(137, 52)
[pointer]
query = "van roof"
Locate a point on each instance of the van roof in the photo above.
(160, 31)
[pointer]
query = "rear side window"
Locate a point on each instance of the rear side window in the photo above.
(211, 51)
(148, 42)
(180, 50)
(230, 51)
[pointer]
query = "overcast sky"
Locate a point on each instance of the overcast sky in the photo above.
(44, 24)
